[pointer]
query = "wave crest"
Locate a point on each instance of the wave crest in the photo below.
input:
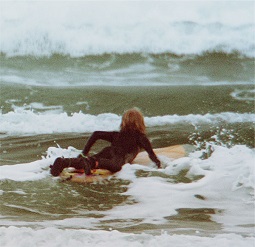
(71, 29)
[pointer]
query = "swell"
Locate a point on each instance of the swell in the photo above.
(127, 69)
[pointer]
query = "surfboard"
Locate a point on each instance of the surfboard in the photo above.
(97, 175)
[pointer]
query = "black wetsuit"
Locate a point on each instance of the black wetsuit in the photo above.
(125, 145)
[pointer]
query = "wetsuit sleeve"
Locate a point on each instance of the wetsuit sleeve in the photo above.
(146, 145)
(98, 135)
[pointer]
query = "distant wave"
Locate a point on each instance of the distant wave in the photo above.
(80, 29)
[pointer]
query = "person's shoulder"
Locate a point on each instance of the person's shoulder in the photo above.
(139, 135)
(103, 131)
(115, 132)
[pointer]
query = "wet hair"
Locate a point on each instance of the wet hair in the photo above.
(133, 120)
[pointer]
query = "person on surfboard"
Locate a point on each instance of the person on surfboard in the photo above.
(125, 145)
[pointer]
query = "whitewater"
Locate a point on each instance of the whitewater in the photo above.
(218, 186)
(148, 27)
(27, 122)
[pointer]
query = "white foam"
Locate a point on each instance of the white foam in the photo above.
(244, 95)
(25, 236)
(227, 186)
(229, 117)
(23, 122)
(83, 28)
(25, 172)
(38, 169)
(34, 107)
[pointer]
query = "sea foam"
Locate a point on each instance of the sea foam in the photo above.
(224, 183)
(25, 236)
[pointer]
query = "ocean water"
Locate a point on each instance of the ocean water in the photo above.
(70, 68)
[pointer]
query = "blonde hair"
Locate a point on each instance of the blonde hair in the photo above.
(133, 119)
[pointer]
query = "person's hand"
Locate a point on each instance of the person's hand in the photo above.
(159, 164)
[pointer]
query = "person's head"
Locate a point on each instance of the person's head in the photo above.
(133, 120)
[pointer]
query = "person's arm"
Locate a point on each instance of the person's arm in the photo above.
(146, 145)
(102, 135)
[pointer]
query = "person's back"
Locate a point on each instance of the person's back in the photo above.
(127, 142)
